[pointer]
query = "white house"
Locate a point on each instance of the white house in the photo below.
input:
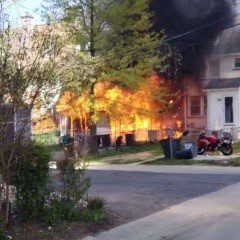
(223, 77)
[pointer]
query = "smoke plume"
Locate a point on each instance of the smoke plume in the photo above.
(203, 19)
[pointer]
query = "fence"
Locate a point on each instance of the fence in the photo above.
(139, 136)
(47, 138)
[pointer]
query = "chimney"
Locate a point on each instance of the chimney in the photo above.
(26, 20)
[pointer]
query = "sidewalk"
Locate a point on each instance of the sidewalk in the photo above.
(213, 216)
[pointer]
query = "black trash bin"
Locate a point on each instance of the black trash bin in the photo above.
(184, 154)
(106, 140)
(170, 147)
(129, 139)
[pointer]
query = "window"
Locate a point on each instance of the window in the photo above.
(237, 63)
(197, 106)
(205, 105)
(214, 68)
(228, 109)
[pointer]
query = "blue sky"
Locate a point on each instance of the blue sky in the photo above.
(19, 8)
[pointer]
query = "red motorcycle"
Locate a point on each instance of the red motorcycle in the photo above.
(212, 143)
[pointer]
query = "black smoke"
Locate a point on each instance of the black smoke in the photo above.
(203, 19)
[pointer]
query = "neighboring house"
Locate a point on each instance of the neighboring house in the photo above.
(223, 87)
(15, 122)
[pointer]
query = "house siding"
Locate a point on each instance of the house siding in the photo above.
(216, 109)
(226, 67)
(193, 87)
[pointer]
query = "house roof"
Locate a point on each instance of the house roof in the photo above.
(227, 42)
(221, 83)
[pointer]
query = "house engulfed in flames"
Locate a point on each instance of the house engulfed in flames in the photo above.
(141, 114)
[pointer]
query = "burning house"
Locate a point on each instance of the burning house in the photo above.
(122, 111)
(194, 27)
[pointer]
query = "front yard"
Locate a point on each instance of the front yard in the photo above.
(138, 154)
(153, 154)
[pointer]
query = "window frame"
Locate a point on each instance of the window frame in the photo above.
(202, 106)
(236, 62)
(231, 117)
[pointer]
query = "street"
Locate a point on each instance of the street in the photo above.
(187, 203)
(136, 194)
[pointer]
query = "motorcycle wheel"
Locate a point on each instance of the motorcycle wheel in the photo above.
(201, 150)
(227, 150)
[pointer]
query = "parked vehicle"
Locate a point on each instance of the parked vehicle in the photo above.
(212, 143)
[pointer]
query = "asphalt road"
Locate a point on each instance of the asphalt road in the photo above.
(136, 194)
(213, 216)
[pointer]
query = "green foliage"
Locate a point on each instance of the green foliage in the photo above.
(154, 148)
(49, 138)
(119, 36)
(163, 161)
(30, 179)
(236, 147)
(69, 203)
(95, 210)
(95, 203)
(92, 215)
(235, 162)
(75, 185)
(132, 47)
(2, 230)
(116, 43)
(59, 210)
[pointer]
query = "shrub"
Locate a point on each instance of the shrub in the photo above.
(2, 230)
(94, 203)
(30, 179)
(95, 210)
(58, 210)
(69, 203)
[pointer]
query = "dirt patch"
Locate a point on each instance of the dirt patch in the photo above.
(62, 231)
(129, 157)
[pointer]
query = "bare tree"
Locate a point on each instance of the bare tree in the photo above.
(29, 65)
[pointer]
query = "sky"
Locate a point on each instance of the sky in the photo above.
(19, 8)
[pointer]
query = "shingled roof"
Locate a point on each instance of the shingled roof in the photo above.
(221, 83)
(227, 42)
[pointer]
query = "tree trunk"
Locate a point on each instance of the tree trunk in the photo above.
(6, 208)
(93, 139)
(93, 148)
(1, 197)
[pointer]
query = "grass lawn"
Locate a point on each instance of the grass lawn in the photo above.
(53, 147)
(130, 155)
(154, 148)
(230, 162)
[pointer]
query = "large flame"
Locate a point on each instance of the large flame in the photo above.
(126, 110)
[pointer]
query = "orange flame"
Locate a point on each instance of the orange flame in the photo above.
(126, 110)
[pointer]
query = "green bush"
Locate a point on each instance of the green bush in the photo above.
(95, 210)
(95, 203)
(92, 215)
(68, 204)
(235, 162)
(2, 230)
(59, 210)
(30, 179)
